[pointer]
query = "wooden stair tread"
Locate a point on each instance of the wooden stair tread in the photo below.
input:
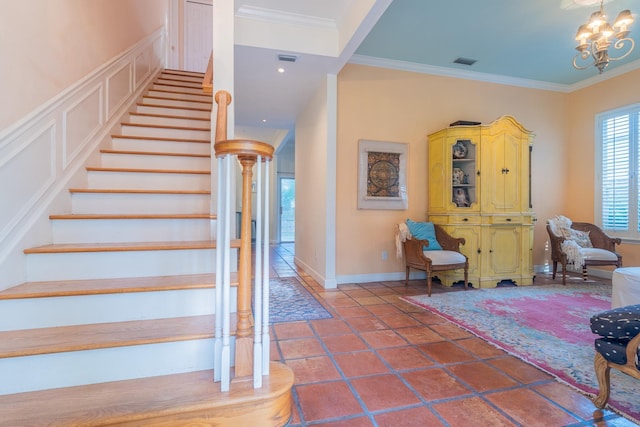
(133, 216)
(137, 170)
(164, 98)
(160, 138)
(142, 104)
(184, 84)
(136, 191)
(146, 401)
(169, 116)
(128, 246)
(60, 339)
(204, 95)
(152, 153)
(145, 125)
(62, 288)
(175, 71)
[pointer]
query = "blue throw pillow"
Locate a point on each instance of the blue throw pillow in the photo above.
(424, 231)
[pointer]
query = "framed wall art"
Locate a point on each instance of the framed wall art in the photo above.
(382, 175)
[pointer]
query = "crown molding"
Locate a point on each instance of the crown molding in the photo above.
(452, 72)
(287, 18)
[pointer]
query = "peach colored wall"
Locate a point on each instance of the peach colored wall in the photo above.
(388, 105)
(52, 44)
(583, 106)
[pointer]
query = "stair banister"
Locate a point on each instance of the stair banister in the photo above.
(252, 337)
(207, 81)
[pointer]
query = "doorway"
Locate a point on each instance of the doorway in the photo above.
(287, 208)
(198, 34)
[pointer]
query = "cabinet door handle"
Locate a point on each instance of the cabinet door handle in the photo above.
(479, 251)
(504, 170)
(508, 219)
(490, 251)
(465, 219)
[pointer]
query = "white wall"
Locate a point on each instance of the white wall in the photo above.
(315, 173)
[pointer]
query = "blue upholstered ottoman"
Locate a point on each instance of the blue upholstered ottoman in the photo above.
(619, 347)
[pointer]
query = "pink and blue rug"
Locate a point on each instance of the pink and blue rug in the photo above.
(546, 326)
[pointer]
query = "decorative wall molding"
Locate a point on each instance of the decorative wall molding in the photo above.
(48, 149)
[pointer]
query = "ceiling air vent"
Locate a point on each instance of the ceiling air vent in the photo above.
(465, 61)
(287, 58)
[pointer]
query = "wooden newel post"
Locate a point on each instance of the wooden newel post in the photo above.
(223, 99)
(244, 329)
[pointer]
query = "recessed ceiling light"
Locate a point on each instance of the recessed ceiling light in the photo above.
(264, 120)
(280, 70)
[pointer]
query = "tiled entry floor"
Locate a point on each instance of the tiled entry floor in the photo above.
(383, 362)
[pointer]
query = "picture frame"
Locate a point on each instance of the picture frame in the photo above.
(382, 175)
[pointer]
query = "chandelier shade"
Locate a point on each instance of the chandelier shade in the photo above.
(595, 38)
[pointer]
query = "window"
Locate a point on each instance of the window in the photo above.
(618, 186)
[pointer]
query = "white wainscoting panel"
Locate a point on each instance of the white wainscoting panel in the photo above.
(119, 88)
(26, 175)
(81, 121)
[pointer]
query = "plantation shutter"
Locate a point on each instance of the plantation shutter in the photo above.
(616, 173)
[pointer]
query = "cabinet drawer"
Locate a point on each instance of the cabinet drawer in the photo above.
(503, 219)
(455, 219)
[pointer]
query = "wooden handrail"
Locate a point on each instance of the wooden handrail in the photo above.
(207, 81)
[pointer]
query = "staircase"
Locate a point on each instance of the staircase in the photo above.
(116, 324)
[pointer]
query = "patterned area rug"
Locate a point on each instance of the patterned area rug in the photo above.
(289, 301)
(546, 326)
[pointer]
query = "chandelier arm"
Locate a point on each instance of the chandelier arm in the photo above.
(619, 44)
(583, 56)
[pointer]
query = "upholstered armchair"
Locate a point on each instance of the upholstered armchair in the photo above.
(582, 244)
(447, 257)
(618, 346)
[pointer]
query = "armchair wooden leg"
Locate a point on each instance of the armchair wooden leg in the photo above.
(584, 273)
(428, 283)
(466, 278)
(602, 373)
(406, 278)
(564, 274)
(555, 269)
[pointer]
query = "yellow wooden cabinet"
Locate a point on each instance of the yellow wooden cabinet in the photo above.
(480, 189)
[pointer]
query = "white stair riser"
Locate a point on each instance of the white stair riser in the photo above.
(178, 89)
(170, 82)
(170, 121)
(161, 100)
(183, 96)
(156, 146)
(23, 374)
(149, 180)
(123, 203)
(107, 308)
(165, 132)
(155, 161)
(109, 265)
(131, 230)
(182, 112)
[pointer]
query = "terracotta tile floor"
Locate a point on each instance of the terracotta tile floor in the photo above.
(383, 362)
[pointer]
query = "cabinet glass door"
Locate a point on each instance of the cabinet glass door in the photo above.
(463, 173)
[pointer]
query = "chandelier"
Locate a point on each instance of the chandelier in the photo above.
(594, 39)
